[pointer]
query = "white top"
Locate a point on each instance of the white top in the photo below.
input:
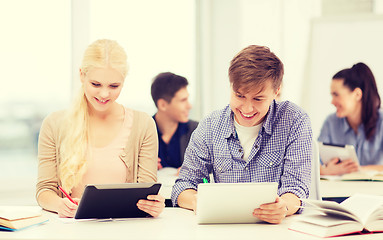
(247, 136)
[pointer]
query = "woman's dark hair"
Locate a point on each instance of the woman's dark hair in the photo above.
(360, 76)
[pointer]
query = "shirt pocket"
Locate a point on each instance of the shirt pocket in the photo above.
(270, 165)
(223, 169)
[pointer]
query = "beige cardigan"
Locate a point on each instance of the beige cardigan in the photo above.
(140, 154)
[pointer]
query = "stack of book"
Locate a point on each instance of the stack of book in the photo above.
(14, 218)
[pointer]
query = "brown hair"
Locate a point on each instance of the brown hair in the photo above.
(165, 85)
(253, 67)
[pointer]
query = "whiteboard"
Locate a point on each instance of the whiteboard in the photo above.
(337, 43)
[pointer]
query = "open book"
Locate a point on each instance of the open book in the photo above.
(13, 218)
(363, 176)
(358, 213)
(357, 176)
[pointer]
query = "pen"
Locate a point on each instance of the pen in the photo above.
(67, 195)
(205, 180)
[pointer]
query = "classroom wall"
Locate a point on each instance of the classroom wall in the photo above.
(228, 26)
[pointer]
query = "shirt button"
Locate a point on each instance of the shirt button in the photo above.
(271, 164)
(246, 168)
(240, 150)
(219, 169)
(256, 146)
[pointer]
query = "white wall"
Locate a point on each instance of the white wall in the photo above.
(228, 26)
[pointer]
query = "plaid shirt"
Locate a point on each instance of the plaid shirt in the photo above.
(281, 153)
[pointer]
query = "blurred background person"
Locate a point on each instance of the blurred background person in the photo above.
(358, 120)
(174, 128)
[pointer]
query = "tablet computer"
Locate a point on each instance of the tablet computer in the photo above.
(232, 202)
(114, 200)
(329, 151)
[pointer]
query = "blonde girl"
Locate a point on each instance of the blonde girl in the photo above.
(96, 140)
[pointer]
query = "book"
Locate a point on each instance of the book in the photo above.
(360, 213)
(363, 176)
(14, 218)
(356, 176)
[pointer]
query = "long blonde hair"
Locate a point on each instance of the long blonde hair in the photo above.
(75, 129)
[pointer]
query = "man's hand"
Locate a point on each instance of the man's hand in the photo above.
(272, 212)
(159, 166)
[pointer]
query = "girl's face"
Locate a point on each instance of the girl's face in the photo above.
(345, 100)
(102, 86)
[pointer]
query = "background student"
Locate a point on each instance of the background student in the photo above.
(171, 97)
(97, 140)
(358, 120)
(254, 139)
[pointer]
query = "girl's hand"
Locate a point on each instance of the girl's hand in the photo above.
(154, 205)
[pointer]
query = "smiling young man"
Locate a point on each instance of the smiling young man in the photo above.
(254, 139)
(171, 97)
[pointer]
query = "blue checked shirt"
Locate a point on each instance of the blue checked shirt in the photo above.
(281, 153)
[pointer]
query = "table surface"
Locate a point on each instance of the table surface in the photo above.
(174, 223)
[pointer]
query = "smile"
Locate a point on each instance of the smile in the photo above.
(248, 116)
(101, 101)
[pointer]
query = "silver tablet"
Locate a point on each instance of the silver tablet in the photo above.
(329, 151)
(232, 202)
(114, 200)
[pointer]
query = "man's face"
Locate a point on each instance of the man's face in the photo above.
(178, 108)
(251, 108)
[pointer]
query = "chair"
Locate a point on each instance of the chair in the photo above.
(315, 174)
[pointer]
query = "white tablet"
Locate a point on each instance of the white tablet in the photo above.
(232, 202)
(330, 151)
(114, 200)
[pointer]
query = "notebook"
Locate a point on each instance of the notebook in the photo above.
(15, 218)
(232, 202)
(114, 200)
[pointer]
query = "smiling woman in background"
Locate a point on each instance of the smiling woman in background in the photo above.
(97, 140)
(358, 120)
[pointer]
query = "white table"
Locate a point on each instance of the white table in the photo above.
(174, 223)
(337, 188)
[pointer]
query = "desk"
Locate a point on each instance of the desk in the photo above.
(336, 188)
(174, 223)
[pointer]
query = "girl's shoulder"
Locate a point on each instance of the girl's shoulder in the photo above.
(140, 119)
(55, 117)
(138, 115)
